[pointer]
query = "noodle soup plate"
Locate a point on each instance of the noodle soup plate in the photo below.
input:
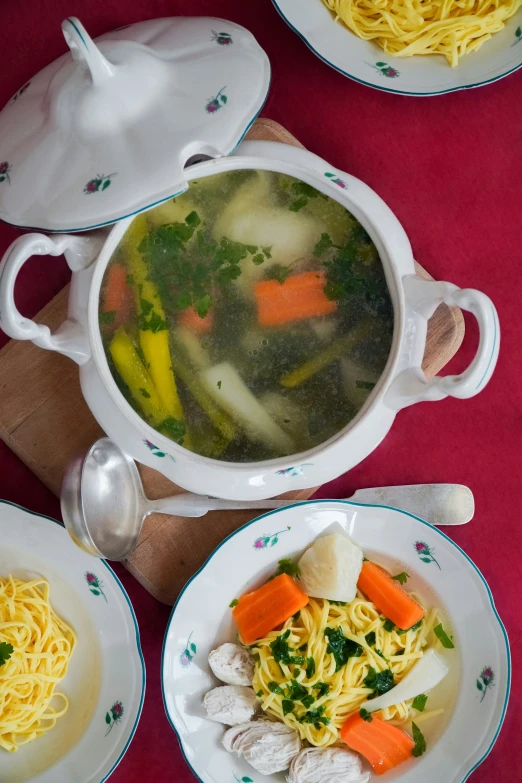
(476, 688)
(401, 384)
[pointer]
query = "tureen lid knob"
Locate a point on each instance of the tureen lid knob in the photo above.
(83, 48)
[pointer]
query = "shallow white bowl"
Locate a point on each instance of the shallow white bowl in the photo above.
(457, 743)
(107, 668)
(366, 62)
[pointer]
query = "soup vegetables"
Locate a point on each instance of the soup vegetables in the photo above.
(247, 319)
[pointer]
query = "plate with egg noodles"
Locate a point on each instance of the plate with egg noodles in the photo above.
(72, 675)
(338, 638)
(412, 48)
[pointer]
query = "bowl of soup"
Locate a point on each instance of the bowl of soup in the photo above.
(256, 333)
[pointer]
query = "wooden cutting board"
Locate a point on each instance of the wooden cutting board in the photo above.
(45, 421)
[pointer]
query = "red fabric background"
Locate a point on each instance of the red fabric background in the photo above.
(451, 169)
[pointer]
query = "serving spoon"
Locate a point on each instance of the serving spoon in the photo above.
(104, 505)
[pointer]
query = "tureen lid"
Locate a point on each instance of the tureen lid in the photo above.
(106, 130)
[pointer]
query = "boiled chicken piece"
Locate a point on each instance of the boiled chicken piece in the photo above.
(327, 765)
(230, 704)
(232, 664)
(330, 568)
(268, 747)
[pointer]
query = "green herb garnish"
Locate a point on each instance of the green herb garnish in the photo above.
(338, 603)
(267, 251)
(382, 655)
(307, 701)
(322, 687)
(419, 702)
(144, 393)
(108, 317)
(365, 715)
(288, 706)
(296, 616)
(370, 638)
(401, 578)
(303, 647)
(388, 626)
(365, 385)
(218, 384)
(443, 637)
(175, 429)
(420, 742)
(6, 650)
(295, 691)
(273, 687)
(258, 259)
(233, 603)
(282, 652)
(278, 272)
(288, 566)
(324, 244)
(379, 682)
(259, 694)
(129, 279)
(310, 667)
(340, 647)
(315, 716)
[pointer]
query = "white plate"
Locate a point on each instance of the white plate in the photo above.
(439, 568)
(366, 62)
(106, 670)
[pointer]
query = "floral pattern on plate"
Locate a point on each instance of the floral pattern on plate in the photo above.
(98, 183)
(385, 70)
(426, 552)
(215, 103)
(113, 716)
(95, 584)
(294, 470)
(223, 39)
(336, 180)
(5, 168)
(157, 451)
(485, 681)
(264, 541)
(187, 656)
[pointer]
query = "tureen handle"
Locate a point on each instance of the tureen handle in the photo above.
(83, 48)
(423, 297)
(70, 338)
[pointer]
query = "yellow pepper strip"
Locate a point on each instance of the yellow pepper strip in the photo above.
(334, 351)
(155, 345)
(133, 372)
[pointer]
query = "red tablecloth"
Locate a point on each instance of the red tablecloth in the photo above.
(451, 169)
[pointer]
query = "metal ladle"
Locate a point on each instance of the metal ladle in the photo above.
(104, 505)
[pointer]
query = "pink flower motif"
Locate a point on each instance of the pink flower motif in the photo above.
(4, 167)
(212, 106)
(91, 579)
(117, 709)
(390, 72)
(92, 186)
(260, 543)
(185, 659)
(487, 674)
(419, 546)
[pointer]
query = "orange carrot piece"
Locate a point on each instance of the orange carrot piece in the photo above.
(118, 295)
(299, 297)
(388, 596)
(191, 320)
(385, 746)
(261, 611)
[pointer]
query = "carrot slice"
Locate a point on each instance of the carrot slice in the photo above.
(299, 297)
(190, 319)
(118, 295)
(385, 746)
(388, 596)
(259, 612)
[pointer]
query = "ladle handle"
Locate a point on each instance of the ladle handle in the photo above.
(187, 504)
(83, 48)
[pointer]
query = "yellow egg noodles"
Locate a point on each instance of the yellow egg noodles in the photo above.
(42, 647)
(336, 694)
(407, 27)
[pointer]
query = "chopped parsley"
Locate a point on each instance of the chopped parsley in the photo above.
(317, 717)
(303, 647)
(301, 193)
(307, 701)
(278, 272)
(296, 616)
(273, 687)
(388, 626)
(420, 742)
(338, 603)
(287, 566)
(6, 650)
(401, 578)
(218, 384)
(419, 702)
(382, 655)
(288, 706)
(175, 429)
(324, 244)
(310, 667)
(108, 317)
(370, 638)
(259, 694)
(413, 627)
(443, 637)
(340, 647)
(129, 279)
(144, 393)
(295, 691)
(365, 715)
(379, 682)
(282, 652)
(258, 259)
(233, 603)
(365, 385)
(323, 689)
